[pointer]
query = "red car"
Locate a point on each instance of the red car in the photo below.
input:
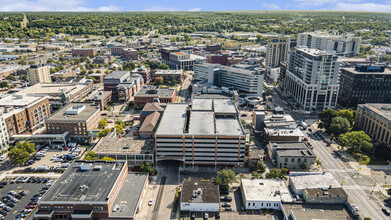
(30, 206)
(32, 203)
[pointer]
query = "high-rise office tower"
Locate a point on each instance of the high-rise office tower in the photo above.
(312, 78)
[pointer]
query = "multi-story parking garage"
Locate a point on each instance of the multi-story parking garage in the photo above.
(204, 132)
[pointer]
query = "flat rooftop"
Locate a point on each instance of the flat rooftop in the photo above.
(129, 195)
(284, 132)
(266, 190)
(317, 211)
(98, 95)
(313, 51)
(295, 153)
(169, 72)
(70, 187)
(210, 192)
(54, 88)
(316, 180)
(387, 71)
(380, 109)
(21, 100)
(239, 70)
(117, 74)
(155, 92)
(289, 145)
(207, 117)
(85, 114)
(116, 145)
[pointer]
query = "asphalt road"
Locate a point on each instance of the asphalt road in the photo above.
(358, 188)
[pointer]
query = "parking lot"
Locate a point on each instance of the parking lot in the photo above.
(31, 189)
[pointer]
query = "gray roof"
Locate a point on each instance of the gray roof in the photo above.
(209, 191)
(173, 119)
(156, 92)
(117, 74)
(99, 182)
(129, 195)
(89, 111)
(295, 153)
(354, 71)
(201, 122)
(378, 109)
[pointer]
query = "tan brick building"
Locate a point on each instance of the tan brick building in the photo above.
(39, 74)
(84, 52)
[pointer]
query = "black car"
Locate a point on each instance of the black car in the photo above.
(3, 183)
(224, 191)
(10, 204)
(22, 193)
(386, 211)
(7, 208)
(217, 215)
(193, 216)
(227, 198)
(3, 212)
(226, 205)
(45, 188)
(18, 196)
(229, 209)
(1, 186)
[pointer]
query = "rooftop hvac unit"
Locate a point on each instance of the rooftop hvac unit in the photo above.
(85, 167)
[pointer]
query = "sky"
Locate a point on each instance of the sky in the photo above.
(194, 5)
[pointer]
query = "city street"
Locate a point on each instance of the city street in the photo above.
(358, 188)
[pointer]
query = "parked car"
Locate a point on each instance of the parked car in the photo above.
(226, 205)
(224, 191)
(12, 193)
(22, 193)
(217, 215)
(227, 198)
(355, 207)
(3, 212)
(30, 206)
(206, 215)
(7, 208)
(229, 209)
(386, 211)
(150, 202)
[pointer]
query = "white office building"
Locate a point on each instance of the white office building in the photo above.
(340, 44)
(277, 51)
(205, 72)
(4, 139)
(312, 78)
(264, 193)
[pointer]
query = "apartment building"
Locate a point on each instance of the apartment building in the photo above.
(123, 85)
(101, 98)
(77, 119)
(144, 72)
(130, 54)
(94, 190)
(312, 79)
(375, 120)
(277, 51)
(39, 74)
(169, 75)
(149, 94)
(4, 138)
(204, 132)
(179, 60)
(364, 84)
(339, 44)
(84, 52)
(244, 80)
(213, 48)
(24, 113)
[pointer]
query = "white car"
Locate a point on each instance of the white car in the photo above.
(150, 202)
(3, 157)
(355, 207)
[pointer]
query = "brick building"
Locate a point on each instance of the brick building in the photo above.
(149, 94)
(94, 190)
(25, 113)
(123, 85)
(101, 98)
(84, 52)
(75, 118)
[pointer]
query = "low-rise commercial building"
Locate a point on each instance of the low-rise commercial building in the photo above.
(144, 72)
(213, 48)
(364, 84)
(77, 119)
(169, 75)
(293, 159)
(264, 193)
(148, 94)
(204, 132)
(375, 120)
(84, 52)
(298, 182)
(325, 195)
(101, 98)
(92, 190)
(123, 85)
(198, 195)
(135, 152)
(148, 128)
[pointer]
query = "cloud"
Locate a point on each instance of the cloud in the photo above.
(50, 5)
(304, 3)
(362, 7)
(271, 6)
(160, 8)
(195, 9)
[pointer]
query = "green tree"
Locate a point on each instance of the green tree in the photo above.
(18, 155)
(331, 137)
(382, 151)
(90, 155)
(23, 77)
(3, 84)
(277, 174)
(326, 115)
(339, 126)
(261, 168)
(243, 122)
(102, 124)
(26, 146)
(148, 168)
(158, 81)
(356, 142)
(348, 114)
(104, 132)
(119, 129)
(225, 177)
(10, 77)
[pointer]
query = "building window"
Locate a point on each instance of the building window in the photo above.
(293, 160)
